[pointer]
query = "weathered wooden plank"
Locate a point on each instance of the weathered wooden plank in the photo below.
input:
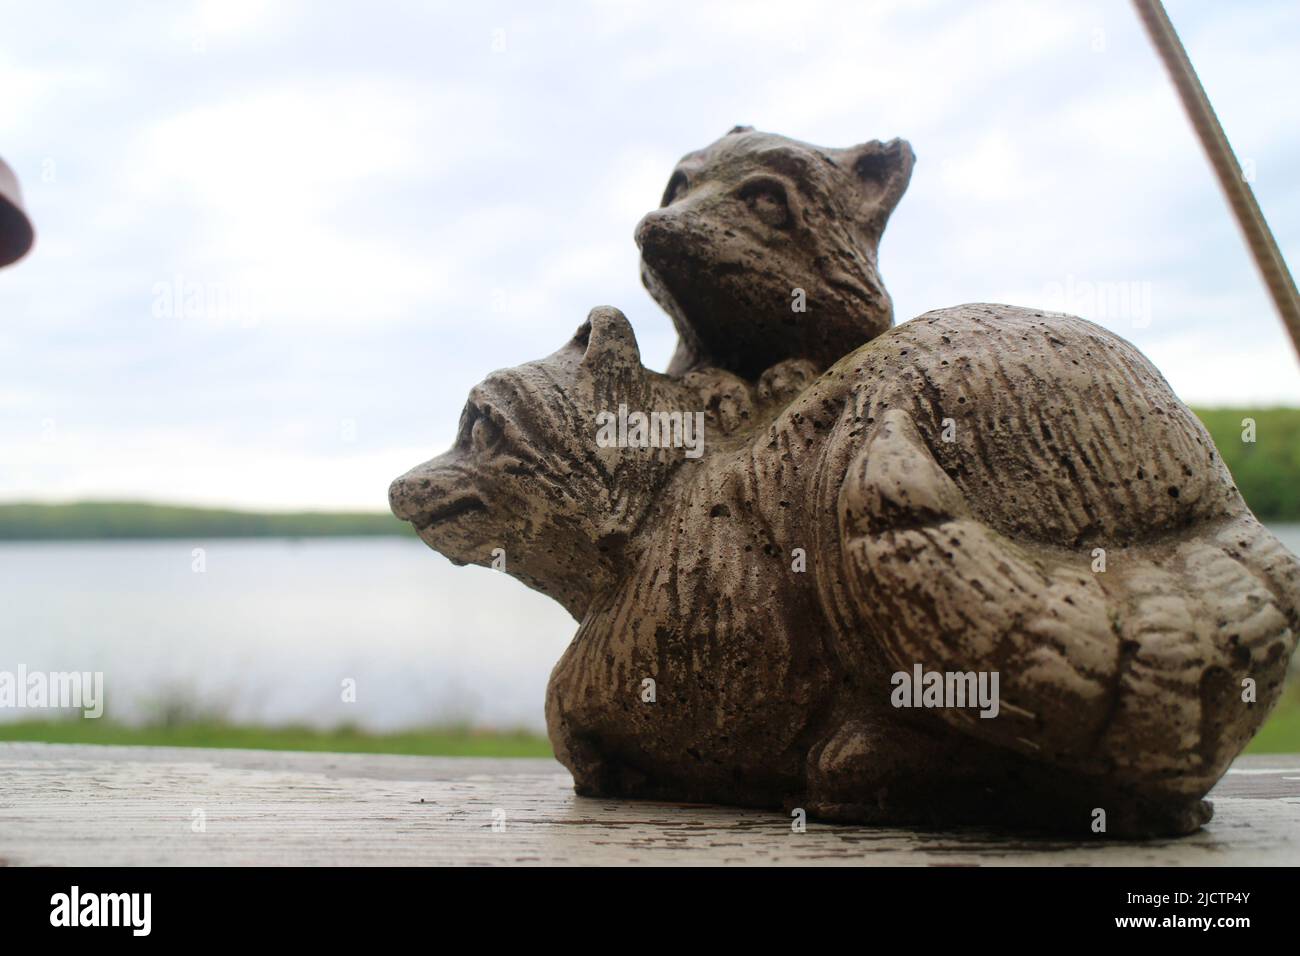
(84, 805)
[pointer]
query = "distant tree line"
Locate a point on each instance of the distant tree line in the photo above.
(1261, 448)
(126, 519)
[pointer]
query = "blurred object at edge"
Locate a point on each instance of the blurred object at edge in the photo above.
(16, 233)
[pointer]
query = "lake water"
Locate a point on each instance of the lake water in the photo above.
(271, 629)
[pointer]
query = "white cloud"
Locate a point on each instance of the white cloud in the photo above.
(992, 170)
(281, 152)
(263, 179)
(1218, 370)
(179, 466)
(408, 209)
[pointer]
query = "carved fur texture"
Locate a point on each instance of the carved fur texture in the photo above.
(1120, 690)
(754, 221)
(984, 490)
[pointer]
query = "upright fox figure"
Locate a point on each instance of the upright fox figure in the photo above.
(984, 490)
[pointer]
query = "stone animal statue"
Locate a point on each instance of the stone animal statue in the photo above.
(751, 219)
(985, 498)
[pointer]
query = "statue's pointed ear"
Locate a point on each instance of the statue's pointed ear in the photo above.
(881, 172)
(607, 339)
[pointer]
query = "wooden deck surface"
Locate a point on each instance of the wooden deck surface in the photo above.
(86, 805)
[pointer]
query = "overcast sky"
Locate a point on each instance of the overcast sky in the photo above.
(382, 202)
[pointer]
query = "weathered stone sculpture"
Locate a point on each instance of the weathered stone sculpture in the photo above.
(753, 220)
(985, 568)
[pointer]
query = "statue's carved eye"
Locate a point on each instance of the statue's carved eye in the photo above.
(676, 187)
(767, 200)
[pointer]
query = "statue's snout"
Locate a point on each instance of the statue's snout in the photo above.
(657, 229)
(650, 223)
(418, 492)
(402, 498)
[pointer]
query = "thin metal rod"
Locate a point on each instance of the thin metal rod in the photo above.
(1263, 247)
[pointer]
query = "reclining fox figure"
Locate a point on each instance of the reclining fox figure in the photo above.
(982, 490)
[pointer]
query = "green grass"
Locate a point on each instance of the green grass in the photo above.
(1281, 734)
(433, 742)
